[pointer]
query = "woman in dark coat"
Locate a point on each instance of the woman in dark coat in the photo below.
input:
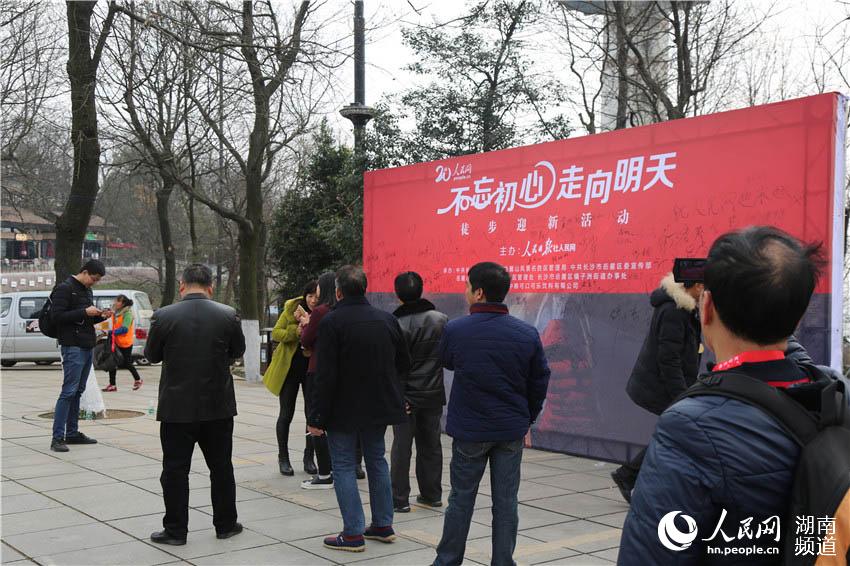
(668, 362)
(326, 295)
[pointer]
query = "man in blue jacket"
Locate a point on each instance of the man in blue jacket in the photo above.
(500, 382)
(718, 472)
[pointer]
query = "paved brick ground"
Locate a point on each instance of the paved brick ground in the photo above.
(98, 504)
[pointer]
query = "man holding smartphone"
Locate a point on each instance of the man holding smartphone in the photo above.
(75, 315)
(669, 360)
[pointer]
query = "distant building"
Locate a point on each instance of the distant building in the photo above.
(29, 240)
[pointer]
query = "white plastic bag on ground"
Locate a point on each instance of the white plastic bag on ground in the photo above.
(92, 399)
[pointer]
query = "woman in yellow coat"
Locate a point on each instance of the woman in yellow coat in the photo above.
(287, 370)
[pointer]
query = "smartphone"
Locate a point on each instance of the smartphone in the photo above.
(300, 312)
(689, 269)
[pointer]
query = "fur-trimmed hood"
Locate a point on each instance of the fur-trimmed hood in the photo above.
(672, 291)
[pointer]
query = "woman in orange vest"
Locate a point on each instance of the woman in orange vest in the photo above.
(123, 332)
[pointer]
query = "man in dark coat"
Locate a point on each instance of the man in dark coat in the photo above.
(424, 397)
(667, 364)
(721, 462)
(500, 382)
(357, 392)
(197, 340)
(74, 314)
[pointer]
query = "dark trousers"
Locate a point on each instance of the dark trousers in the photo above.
(288, 397)
(127, 355)
(629, 471)
(319, 443)
(423, 425)
(178, 442)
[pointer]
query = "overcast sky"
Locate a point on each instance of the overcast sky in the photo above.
(794, 23)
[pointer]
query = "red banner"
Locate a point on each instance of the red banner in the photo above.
(605, 213)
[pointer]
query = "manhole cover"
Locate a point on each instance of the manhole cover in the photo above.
(110, 414)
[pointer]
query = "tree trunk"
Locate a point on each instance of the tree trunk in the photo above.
(169, 287)
(248, 267)
(71, 225)
(251, 274)
(193, 234)
(622, 81)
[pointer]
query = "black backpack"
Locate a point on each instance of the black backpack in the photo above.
(46, 325)
(822, 479)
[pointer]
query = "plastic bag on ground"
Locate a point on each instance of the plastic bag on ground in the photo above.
(92, 399)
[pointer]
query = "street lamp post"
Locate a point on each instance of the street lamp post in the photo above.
(358, 112)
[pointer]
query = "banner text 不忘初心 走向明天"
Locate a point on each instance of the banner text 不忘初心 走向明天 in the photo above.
(600, 219)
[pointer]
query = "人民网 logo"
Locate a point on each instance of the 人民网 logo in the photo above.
(670, 535)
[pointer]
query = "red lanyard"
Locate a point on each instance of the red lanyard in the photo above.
(755, 358)
(750, 358)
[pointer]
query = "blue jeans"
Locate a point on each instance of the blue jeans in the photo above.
(76, 365)
(468, 462)
(343, 447)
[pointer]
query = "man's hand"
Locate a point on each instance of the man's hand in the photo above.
(408, 408)
(93, 311)
(315, 431)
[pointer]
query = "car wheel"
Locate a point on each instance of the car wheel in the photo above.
(142, 362)
(44, 362)
(7, 363)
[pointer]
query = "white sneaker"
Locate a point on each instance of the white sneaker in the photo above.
(318, 483)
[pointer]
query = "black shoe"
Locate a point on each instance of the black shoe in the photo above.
(624, 485)
(237, 528)
(401, 508)
(359, 472)
(58, 445)
(79, 438)
(162, 537)
(427, 502)
(310, 467)
(285, 467)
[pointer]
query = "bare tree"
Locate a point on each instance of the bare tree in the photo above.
(152, 77)
(702, 35)
(27, 69)
(274, 70)
(82, 71)
(644, 62)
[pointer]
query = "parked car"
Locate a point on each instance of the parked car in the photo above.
(21, 341)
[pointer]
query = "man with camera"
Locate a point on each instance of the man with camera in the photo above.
(715, 459)
(668, 362)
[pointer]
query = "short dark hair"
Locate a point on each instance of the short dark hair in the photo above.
(761, 280)
(327, 288)
(94, 267)
(351, 280)
(197, 274)
(125, 300)
(408, 286)
(492, 278)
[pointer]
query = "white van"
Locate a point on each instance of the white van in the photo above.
(21, 341)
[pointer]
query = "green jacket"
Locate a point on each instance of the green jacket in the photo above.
(285, 332)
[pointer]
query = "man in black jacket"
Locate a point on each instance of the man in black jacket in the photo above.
(667, 364)
(75, 315)
(196, 339)
(357, 393)
(424, 397)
